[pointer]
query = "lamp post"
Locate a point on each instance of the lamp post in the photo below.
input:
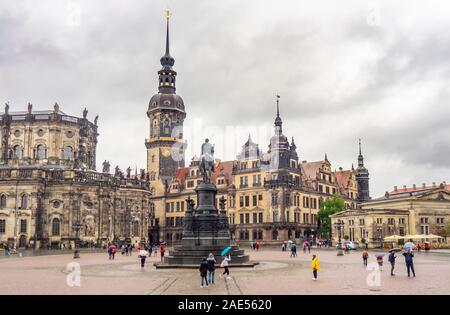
(338, 226)
(77, 227)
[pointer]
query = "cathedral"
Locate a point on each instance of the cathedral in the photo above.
(52, 196)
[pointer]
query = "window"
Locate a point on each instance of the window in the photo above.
(391, 221)
(241, 218)
(401, 221)
(260, 217)
(255, 200)
(2, 226)
(255, 218)
(67, 153)
(361, 221)
(241, 201)
(178, 206)
(247, 201)
(190, 184)
(23, 226)
(56, 227)
(424, 221)
(320, 188)
(247, 218)
(440, 220)
(379, 221)
(2, 201)
(327, 190)
(40, 152)
(24, 202)
(274, 199)
(17, 152)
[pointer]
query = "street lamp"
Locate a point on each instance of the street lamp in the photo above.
(339, 224)
(77, 227)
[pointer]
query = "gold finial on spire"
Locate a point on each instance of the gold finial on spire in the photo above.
(168, 14)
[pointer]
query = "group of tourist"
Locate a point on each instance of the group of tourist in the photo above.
(208, 267)
(143, 250)
(254, 245)
(409, 261)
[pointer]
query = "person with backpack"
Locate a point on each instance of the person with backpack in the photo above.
(211, 268)
(391, 259)
(365, 256)
(203, 272)
(315, 266)
(224, 264)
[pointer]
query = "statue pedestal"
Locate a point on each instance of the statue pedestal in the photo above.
(205, 231)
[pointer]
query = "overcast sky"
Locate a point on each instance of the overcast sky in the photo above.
(378, 71)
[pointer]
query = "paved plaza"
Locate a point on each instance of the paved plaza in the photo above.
(277, 273)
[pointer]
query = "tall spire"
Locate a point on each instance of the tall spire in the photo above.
(360, 156)
(168, 14)
(167, 60)
(360, 146)
(278, 121)
(167, 76)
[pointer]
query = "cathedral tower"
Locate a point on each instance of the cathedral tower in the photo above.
(165, 147)
(362, 176)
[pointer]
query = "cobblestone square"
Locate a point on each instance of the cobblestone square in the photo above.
(277, 273)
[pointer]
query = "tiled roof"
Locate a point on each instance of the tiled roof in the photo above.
(343, 178)
(310, 169)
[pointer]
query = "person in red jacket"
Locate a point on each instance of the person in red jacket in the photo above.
(162, 250)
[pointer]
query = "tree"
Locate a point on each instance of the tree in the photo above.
(329, 207)
(443, 231)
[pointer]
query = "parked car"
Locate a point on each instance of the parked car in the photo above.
(350, 244)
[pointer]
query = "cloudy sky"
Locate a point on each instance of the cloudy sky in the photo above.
(378, 71)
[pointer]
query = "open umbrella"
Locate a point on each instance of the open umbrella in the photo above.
(432, 236)
(394, 250)
(409, 245)
(393, 238)
(225, 251)
(143, 253)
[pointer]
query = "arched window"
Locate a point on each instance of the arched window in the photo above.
(136, 228)
(2, 201)
(40, 152)
(24, 201)
(17, 152)
(67, 153)
(56, 224)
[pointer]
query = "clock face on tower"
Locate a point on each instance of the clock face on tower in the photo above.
(165, 152)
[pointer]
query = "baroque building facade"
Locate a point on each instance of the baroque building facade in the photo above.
(50, 193)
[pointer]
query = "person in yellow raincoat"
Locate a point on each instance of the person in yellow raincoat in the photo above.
(315, 266)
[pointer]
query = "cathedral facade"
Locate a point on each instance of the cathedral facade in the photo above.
(50, 193)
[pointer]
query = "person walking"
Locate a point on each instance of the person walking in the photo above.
(293, 250)
(123, 249)
(203, 272)
(391, 259)
(211, 268)
(143, 256)
(309, 248)
(155, 250)
(365, 256)
(130, 249)
(409, 255)
(315, 266)
(224, 264)
(257, 246)
(162, 250)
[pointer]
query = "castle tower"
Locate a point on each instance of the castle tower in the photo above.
(165, 146)
(362, 177)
